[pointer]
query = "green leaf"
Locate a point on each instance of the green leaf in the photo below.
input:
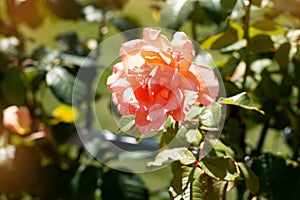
(34, 75)
(220, 168)
(85, 182)
(175, 13)
(82, 61)
(188, 183)
(282, 55)
(229, 36)
(228, 5)
(223, 149)
(123, 185)
(256, 2)
(167, 156)
(126, 123)
(62, 84)
(260, 43)
(242, 100)
(192, 183)
(277, 178)
(210, 117)
(215, 10)
(252, 181)
(13, 87)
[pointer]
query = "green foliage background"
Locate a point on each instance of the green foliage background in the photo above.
(256, 47)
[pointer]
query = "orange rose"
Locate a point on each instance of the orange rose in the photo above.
(157, 78)
(17, 120)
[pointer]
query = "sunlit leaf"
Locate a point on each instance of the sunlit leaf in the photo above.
(188, 183)
(174, 13)
(64, 113)
(252, 181)
(167, 156)
(221, 168)
(210, 117)
(242, 100)
(62, 84)
(81, 61)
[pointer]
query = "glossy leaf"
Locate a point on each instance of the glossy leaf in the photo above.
(123, 185)
(220, 168)
(167, 156)
(85, 182)
(215, 10)
(174, 13)
(62, 84)
(242, 100)
(86, 62)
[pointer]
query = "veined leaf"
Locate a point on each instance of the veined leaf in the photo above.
(167, 156)
(188, 183)
(220, 168)
(242, 100)
(192, 183)
(210, 117)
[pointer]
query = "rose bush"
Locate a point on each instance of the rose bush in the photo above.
(157, 78)
(17, 119)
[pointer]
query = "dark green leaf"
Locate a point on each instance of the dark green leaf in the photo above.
(220, 168)
(228, 5)
(242, 100)
(260, 43)
(81, 61)
(167, 156)
(13, 87)
(85, 182)
(123, 185)
(174, 13)
(277, 179)
(215, 10)
(282, 55)
(252, 181)
(63, 85)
